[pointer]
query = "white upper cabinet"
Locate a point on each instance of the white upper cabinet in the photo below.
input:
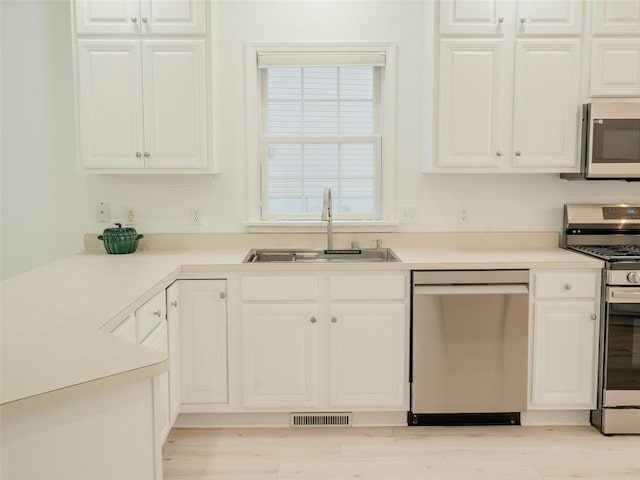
(500, 17)
(616, 17)
(615, 49)
(140, 17)
(174, 89)
(615, 67)
(471, 17)
(545, 115)
(508, 95)
(471, 117)
(110, 103)
(142, 104)
(548, 17)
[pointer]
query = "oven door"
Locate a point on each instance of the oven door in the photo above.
(622, 347)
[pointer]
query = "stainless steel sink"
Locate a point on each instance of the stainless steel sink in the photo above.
(365, 255)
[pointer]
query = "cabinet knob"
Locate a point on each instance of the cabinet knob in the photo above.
(174, 303)
(158, 313)
(334, 320)
(314, 319)
(567, 286)
(147, 154)
(499, 153)
(134, 19)
(144, 19)
(138, 154)
(593, 316)
(518, 153)
(523, 20)
(223, 295)
(501, 19)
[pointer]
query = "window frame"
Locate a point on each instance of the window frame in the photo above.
(256, 142)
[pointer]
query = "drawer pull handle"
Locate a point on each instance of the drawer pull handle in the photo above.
(334, 320)
(314, 319)
(223, 295)
(174, 303)
(567, 286)
(158, 313)
(593, 316)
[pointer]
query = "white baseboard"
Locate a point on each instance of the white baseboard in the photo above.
(280, 419)
(555, 417)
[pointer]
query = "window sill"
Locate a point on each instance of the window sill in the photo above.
(313, 226)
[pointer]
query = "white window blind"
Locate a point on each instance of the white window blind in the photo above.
(320, 128)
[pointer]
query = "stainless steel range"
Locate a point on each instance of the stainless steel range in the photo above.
(612, 233)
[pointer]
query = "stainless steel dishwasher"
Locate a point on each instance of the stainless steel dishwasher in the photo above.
(469, 347)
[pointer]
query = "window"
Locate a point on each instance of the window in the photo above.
(320, 125)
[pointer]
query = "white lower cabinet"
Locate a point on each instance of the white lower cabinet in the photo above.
(564, 341)
(366, 355)
(203, 332)
(338, 342)
(280, 350)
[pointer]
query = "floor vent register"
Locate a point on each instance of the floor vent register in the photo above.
(321, 419)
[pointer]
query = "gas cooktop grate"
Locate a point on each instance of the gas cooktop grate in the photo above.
(610, 252)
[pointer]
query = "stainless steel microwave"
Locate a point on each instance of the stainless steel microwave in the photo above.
(610, 142)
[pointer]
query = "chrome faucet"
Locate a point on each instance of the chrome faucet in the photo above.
(327, 216)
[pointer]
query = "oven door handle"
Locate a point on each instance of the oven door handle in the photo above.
(469, 289)
(618, 296)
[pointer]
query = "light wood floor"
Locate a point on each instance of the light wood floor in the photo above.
(403, 453)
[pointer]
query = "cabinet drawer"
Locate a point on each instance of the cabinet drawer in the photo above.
(278, 288)
(150, 315)
(565, 285)
(368, 287)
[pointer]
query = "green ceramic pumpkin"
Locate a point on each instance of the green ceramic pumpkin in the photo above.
(120, 240)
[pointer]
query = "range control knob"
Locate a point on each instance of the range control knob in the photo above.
(634, 277)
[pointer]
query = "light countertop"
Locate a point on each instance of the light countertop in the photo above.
(55, 319)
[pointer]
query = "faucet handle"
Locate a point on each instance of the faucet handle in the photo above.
(378, 243)
(355, 245)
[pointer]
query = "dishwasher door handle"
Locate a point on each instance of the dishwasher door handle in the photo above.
(469, 289)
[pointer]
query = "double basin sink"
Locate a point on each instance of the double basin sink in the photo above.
(366, 255)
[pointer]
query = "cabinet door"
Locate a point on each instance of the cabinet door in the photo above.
(174, 103)
(279, 355)
(564, 342)
(549, 17)
(173, 326)
(367, 355)
(174, 16)
(110, 103)
(107, 16)
(546, 104)
(204, 341)
(616, 17)
(161, 410)
(472, 16)
(615, 67)
(472, 90)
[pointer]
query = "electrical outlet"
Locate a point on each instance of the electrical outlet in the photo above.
(409, 214)
(463, 216)
(103, 212)
(196, 216)
(130, 217)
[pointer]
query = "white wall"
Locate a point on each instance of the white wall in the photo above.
(495, 202)
(43, 197)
